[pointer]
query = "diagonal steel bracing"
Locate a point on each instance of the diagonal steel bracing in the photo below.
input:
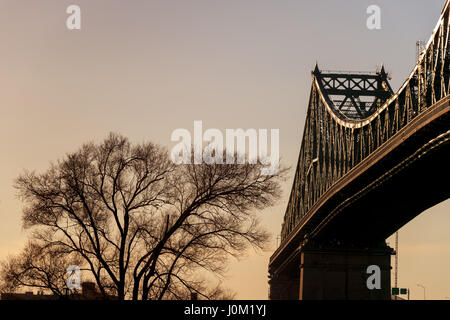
(351, 115)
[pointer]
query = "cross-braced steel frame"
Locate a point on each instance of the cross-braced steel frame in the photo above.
(340, 133)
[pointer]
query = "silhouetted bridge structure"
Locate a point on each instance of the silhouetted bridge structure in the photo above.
(370, 161)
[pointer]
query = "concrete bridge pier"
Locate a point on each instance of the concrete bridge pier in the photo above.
(333, 273)
(283, 287)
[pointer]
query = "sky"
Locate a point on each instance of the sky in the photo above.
(145, 68)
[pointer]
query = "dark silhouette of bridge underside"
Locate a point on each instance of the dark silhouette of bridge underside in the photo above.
(370, 161)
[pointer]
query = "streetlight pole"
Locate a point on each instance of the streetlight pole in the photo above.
(423, 287)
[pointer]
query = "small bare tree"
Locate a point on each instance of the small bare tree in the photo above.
(140, 226)
(38, 267)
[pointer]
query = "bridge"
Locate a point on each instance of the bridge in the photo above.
(370, 161)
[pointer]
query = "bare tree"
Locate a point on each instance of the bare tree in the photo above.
(141, 226)
(38, 267)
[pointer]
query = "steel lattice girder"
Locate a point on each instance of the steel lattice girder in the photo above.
(333, 143)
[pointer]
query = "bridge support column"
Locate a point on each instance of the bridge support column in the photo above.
(341, 273)
(284, 288)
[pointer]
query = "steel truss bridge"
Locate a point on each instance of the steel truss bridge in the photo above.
(370, 161)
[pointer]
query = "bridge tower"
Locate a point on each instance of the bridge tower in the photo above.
(334, 267)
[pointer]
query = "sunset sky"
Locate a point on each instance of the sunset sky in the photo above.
(145, 68)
